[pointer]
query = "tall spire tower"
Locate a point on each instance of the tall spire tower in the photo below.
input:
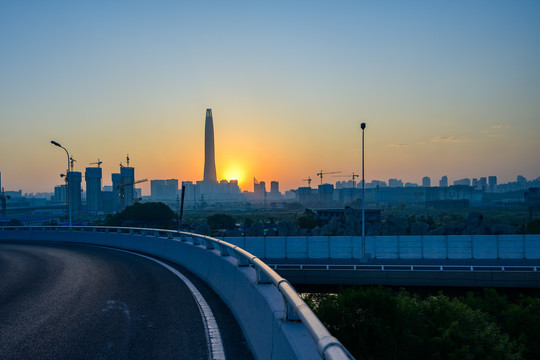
(209, 152)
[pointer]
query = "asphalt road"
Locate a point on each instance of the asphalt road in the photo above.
(82, 302)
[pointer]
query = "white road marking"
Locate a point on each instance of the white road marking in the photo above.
(213, 336)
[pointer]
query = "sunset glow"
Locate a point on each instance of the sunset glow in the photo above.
(446, 88)
(235, 172)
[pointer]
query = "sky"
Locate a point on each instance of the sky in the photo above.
(445, 88)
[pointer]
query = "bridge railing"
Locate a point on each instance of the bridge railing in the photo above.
(328, 346)
(516, 246)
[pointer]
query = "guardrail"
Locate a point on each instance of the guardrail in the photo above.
(507, 247)
(296, 309)
(404, 267)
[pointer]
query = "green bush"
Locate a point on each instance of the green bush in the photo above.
(221, 221)
(376, 323)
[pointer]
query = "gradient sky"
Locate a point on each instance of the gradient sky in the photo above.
(445, 87)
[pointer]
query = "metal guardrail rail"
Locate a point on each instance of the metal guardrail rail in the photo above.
(404, 267)
(328, 346)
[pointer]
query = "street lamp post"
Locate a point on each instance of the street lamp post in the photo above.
(363, 126)
(67, 179)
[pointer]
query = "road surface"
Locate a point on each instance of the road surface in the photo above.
(83, 302)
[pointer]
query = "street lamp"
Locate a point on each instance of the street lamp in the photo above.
(363, 126)
(67, 179)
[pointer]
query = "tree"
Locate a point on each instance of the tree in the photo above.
(221, 221)
(307, 220)
(150, 214)
(533, 227)
(375, 323)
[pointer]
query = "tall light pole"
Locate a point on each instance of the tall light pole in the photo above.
(363, 126)
(67, 179)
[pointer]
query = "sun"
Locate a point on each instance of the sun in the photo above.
(234, 173)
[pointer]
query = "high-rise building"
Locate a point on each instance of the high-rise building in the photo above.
(59, 193)
(93, 177)
(466, 182)
(164, 189)
(116, 182)
(74, 181)
(444, 181)
(482, 183)
(209, 151)
(259, 188)
(127, 192)
(426, 181)
(492, 183)
(395, 183)
(274, 187)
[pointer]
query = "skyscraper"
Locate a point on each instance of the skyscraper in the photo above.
(492, 182)
(93, 188)
(209, 152)
(444, 181)
(75, 179)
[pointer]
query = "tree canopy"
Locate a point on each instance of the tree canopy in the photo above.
(221, 221)
(375, 323)
(150, 214)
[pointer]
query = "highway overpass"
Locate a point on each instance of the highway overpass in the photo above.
(274, 320)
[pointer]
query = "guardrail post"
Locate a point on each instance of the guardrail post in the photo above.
(224, 251)
(242, 260)
(196, 240)
(209, 244)
(262, 278)
(291, 312)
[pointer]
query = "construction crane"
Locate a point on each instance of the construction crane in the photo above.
(98, 163)
(3, 199)
(308, 181)
(72, 160)
(122, 191)
(127, 161)
(354, 176)
(326, 173)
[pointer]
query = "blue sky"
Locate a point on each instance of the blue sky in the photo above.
(446, 88)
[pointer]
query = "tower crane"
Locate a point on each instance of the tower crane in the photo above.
(72, 160)
(127, 161)
(354, 176)
(98, 163)
(308, 181)
(326, 173)
(122, 191)
(3, 199)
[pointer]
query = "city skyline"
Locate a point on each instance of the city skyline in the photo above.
(445, 89)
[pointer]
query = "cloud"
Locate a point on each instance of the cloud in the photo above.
(447, 139)
(396, 145)
(495, 130)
